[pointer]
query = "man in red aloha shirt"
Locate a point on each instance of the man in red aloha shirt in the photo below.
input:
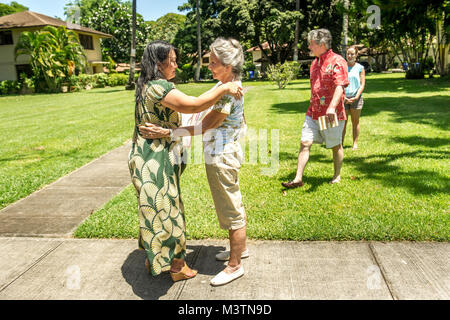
(329, 77)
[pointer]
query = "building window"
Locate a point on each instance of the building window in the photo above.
(86, 41)
(24, 68)
(6, 38)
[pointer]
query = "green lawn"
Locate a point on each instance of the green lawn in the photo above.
(46, 136)
(395, 187)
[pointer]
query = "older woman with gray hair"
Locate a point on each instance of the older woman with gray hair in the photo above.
(222, 127)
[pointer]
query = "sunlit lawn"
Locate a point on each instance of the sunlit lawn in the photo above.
(395, 187)
(44, 136)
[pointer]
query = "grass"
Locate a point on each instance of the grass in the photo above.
(46, 136)
(394, 188)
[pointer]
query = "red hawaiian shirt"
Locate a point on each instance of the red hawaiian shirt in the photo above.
(327, 72)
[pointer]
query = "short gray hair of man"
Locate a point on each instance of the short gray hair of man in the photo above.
(320, 36)
(229, 52)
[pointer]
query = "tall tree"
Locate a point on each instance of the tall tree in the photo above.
(113, 17)
(131, 85)
(254, 22)
(13, 7)
(199, 43)
(297, 30)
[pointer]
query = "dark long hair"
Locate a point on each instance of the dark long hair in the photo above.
(155, 54)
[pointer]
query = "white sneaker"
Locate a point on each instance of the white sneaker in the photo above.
(224, 278)
(225, 255)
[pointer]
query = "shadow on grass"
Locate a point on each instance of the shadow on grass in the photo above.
(420, 182)
(290, 107)
(379, 167)
(432, 110)
(422, 141)
(105, 90)
(399, 85)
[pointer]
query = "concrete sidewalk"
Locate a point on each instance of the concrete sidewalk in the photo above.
(58, 209)
(38, 260)
(52, 268)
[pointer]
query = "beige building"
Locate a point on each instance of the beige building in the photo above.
(11, 26)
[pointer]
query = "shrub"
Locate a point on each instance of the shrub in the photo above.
(9, 87)
(205, 73)
(117, 79)
(100, 80)
(281, 74)
(186, 73)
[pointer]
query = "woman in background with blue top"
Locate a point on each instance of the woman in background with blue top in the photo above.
(223, 154)
(353, 100)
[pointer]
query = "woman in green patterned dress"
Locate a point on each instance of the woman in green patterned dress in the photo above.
(156, 164)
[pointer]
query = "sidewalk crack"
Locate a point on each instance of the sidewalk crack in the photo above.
(34, 264)
(383, 272)
(194, 260)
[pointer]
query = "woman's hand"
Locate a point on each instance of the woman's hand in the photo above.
(233, 88)
(152, 131)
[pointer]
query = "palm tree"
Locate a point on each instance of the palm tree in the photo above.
(54, 54)
(66, 46)
(131, 85)
(199, 44)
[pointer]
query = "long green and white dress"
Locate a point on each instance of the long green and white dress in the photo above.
(155, 167)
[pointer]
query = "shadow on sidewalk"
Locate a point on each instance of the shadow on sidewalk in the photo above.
(148, 287)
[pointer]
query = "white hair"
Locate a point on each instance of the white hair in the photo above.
(320, 36)
(229, 52)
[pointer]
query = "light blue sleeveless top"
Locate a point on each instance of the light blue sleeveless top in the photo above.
(354, 80)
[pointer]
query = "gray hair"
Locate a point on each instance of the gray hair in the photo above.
(229, 52)
(320, 36)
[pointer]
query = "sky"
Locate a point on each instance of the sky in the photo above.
(149, 9)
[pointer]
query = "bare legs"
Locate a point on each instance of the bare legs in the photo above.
(303, 157)
(338, 158)
(355, 114)
(237, 246)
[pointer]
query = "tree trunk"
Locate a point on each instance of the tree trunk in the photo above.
(131, 84)
(297, 25)
(199, 44)
(345, 29)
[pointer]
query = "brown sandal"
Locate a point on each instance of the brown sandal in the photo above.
(182, 274)
(292, 184)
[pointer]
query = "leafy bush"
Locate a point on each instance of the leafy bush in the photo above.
(249, 66)
(205, 73)
(281, 74)
(117, 79)
(9, 87)
(186, 73)
(100, 80)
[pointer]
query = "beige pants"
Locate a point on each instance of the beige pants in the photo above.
(222, 173)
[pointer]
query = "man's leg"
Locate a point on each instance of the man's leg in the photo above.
(303, 158)
(338, 158)
(344, 131)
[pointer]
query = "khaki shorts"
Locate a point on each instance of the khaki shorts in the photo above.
(358, 104)
(332, 136)
(223, 181)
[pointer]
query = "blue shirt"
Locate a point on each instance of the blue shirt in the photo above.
(354, 79)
